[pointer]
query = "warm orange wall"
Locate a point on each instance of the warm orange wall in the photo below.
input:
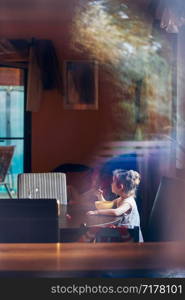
(58, 135)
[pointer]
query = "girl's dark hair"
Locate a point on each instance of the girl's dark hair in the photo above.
(130, 179)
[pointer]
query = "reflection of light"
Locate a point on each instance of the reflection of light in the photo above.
(123, 15)
(58, 251)
(129, 47)
(97, 4)
(156, 46)
(58, 245)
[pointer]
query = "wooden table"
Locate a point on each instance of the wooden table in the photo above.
(72, 216)
(57, 260)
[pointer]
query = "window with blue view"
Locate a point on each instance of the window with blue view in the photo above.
(12, 120)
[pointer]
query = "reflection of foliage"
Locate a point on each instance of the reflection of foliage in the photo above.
(119, 36)
(125, 120)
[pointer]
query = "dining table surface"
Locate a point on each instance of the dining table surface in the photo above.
(59, 259)
(91, 259)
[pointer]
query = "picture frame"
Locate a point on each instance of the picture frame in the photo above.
(81, 85)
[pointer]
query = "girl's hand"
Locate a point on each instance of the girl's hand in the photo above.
(91, 212)
(99, 195)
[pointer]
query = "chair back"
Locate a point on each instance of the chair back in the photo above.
(119, 234)
(28, 221)
(167, 218)
(6, 154)
(100, 234)
(43, 185)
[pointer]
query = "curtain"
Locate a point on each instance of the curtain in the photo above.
(34, 88)
(41, 61)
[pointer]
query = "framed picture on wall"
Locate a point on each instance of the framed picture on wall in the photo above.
(81, 85)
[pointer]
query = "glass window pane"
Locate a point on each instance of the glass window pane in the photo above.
(17, 112)
(12, 122)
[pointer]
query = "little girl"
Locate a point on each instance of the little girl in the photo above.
(124, 184)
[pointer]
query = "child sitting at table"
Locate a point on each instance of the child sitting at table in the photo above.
(124, 184)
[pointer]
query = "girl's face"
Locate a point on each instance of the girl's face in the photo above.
(115, 188)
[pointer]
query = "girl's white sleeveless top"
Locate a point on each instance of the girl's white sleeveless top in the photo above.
(132, 217)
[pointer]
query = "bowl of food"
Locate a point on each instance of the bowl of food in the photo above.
(103, 204)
